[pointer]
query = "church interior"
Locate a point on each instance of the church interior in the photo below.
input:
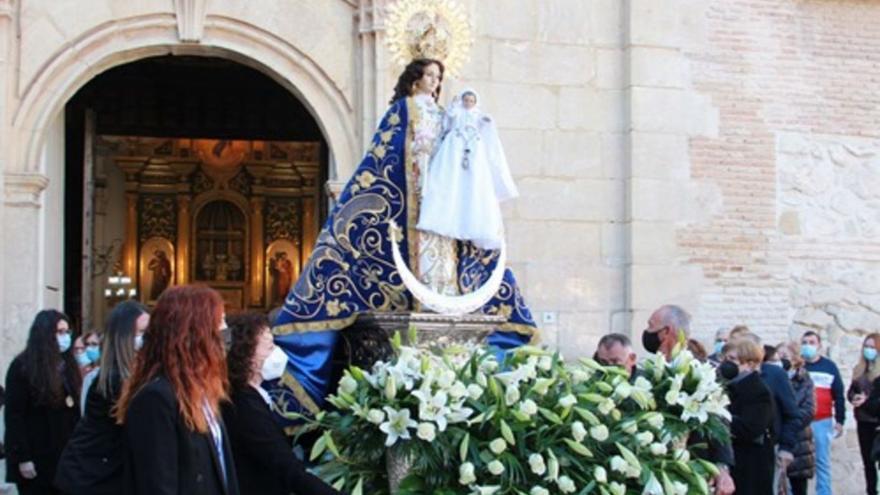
(184, 170)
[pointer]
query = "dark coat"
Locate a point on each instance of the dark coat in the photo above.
(861, 384)
(872, 405)
(787, 418)
(92, 461)
(752, 408)
(804, 464)
(35, 432)
(163, 456)
(264, 459)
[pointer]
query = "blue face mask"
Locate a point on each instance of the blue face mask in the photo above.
(719, 344)
(808, 351)
(870, 353)
(94, 353)
(64, 341)
(82, 359)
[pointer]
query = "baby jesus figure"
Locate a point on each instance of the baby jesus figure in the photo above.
(467, 178)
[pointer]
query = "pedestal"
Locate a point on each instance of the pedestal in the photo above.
(369, 339)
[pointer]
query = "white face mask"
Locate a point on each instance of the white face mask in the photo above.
(274, 365)
(138, 341)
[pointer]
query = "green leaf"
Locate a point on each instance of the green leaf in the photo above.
(413, 335)
(293, 416)
(550, 415)
(463, 446)
(331, 444)
(340, 483)
(577, 448)
(628, 455)
(507, 433)
(667, 483)
(592, 397)
(318, 448)
(396, 341)
(587, 416)
(520, 416)
(359, 487)
(710, 468)
(494, 388)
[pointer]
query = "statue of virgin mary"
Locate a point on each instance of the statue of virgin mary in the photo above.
(352, 271)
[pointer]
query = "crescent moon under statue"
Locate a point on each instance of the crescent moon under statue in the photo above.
(457, 305)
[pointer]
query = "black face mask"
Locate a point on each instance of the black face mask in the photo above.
(786, 364)
(728, 370)
(651, 340)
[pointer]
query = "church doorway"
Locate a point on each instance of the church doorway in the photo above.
(187, 169)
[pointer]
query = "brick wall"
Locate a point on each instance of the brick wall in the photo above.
(794, 245)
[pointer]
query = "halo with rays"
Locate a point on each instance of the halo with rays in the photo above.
(437, 29)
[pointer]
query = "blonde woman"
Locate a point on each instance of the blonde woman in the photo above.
(751, 409)
(864, 374)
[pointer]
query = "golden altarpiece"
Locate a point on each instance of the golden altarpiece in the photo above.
(238, 216)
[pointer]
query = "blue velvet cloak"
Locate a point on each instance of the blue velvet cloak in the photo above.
(351, 269)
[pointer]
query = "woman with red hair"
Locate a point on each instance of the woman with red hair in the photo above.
(176, 442)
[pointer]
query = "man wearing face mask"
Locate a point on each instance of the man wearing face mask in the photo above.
(264, 461)
(829, 398)
(721, 337)
(668, 326)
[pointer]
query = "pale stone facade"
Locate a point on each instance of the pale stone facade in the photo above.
(721, 154)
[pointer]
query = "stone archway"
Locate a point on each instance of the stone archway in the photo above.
(141, 37)
(27, 159)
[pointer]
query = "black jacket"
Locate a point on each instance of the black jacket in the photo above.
(92, 461)
(872, 405)
(787, 418)
(751, 429)
(264, 459)
(163, 456)
(35, 432)
(861, 385)
(804, 464)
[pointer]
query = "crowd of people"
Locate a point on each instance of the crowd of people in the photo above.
(163, 403)
(787, 403)
(167, 405)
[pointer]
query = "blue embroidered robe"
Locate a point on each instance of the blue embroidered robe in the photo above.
(351, 269)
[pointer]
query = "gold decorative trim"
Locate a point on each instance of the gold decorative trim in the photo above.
(299, 392)
(412, 196)
(315, 326)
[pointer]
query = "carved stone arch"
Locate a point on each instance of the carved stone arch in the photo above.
(134, 38)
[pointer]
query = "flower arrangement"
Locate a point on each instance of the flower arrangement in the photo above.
(463, 422)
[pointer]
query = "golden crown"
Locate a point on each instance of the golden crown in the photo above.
(437, 29)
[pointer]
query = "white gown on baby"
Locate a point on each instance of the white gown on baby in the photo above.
(466, 180)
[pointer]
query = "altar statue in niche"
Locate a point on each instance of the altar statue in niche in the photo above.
(160, 265)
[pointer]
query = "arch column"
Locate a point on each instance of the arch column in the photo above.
(22, 258)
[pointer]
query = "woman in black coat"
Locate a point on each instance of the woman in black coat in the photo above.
(752, 411)
(264, 459)
(175, 442)
(92, 461)
(803, 467)
(42, 385)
